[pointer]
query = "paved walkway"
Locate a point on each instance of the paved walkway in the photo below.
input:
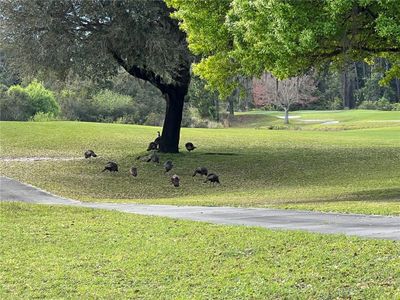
(381, 227)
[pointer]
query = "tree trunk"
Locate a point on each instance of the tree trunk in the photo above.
(286, 115)
(231, 106)
(345, 89)
(397, 89)
(174, 98)
(217, 108)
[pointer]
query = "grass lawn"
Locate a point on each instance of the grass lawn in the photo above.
(63, 252)
(319, 120)
(340, 170)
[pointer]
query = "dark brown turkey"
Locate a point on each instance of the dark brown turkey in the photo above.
(212, 178)
(158, 138)
(153, 158)
(111, 166)
(133, 171)
(168, 166)
(200, 170)
(90, 153)
(190, 147)
(152, 146)
(175, 180)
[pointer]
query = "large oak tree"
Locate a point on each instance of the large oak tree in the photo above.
(95, 38)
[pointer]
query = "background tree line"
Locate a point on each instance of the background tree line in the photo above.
(230, 43)
(125, 99)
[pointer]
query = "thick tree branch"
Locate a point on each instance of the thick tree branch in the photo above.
(140, 73)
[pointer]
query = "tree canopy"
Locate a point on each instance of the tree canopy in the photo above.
(286, 38)
(95, 38)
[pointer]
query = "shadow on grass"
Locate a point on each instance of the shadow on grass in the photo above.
(376, 195)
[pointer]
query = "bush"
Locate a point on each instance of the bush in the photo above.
(396, 106)
(43, 100)
(381, 104)
(367, 105)
(15, 105)
(43, 117)
(20, 104)
(336, 104)
(76, 105)
(154, 119)
(111, 105)
(126, 119)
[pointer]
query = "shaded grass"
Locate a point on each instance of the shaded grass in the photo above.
(297, 169)
(64, 252)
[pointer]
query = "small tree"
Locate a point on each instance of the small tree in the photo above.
(284, 93)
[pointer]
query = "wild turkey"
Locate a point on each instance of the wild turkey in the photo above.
(168, 166)
(153, 158)
(212, 178)
(152, 146)
(190, 147)
(175, 180)
(90, 153)
(158, 138)
(111, 166)
(200, 170)
(133, 171)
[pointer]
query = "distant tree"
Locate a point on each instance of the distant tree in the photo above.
(284, 93)
(8, 76)
(96, 38)
(205, 101)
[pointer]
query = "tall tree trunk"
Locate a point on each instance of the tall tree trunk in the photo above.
(231, 106)
(217, 108)
(364, 71)
(174, 98)
(397, 89)
(286, 115)
(356, 77)
(345, 89)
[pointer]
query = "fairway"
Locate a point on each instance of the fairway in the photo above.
(338, 170)
(319, 120)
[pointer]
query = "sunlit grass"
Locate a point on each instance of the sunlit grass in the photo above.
(63, 252)
(319, 120)
(318, 170)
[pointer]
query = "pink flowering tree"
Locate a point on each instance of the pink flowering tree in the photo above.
(284, 93)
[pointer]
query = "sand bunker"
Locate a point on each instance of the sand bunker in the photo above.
(330, 122)
(290, 117)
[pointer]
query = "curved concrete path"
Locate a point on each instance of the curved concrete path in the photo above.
(381, 227)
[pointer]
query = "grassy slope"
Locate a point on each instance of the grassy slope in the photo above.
(59, 252)
(350, 171)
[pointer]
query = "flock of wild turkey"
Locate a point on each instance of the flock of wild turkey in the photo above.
(168, 165)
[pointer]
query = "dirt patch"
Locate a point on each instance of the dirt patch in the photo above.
(220, 153)
(33, 159)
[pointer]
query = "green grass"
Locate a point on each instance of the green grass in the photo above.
(70, 253)
(347, 171)
(313, 120)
